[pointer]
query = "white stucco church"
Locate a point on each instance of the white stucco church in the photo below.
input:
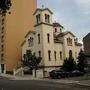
(50, 41)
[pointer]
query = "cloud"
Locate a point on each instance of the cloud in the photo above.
(85, 3)
(84, 6)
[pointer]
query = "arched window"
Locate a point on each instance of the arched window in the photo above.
(48, 38)
(38, 38)
(60, 55)
(47, 18)
(55, 56)
(69, 41)
(2, 47)
(38, 18)
(60, 30)
(30, 41)
(55, 29)
(39, 53)
(70, 53)
(49, 55)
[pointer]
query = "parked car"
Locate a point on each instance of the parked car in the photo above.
(57, 74)
(76, 73)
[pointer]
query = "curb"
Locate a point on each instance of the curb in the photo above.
(83, 84)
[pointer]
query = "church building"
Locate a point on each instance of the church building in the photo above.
(49, 41)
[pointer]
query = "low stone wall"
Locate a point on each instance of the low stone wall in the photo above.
(39, 73)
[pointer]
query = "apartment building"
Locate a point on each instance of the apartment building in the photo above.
(13, 28)
(86, 42)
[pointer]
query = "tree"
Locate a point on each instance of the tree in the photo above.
(31, 60)
(5, 6)
(81, 61)
(69, 65)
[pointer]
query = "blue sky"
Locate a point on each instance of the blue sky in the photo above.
(74, 15)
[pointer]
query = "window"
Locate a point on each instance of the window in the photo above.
(47, 18)
(2, 19)
(38, 38)
(55, 29)
(30, 41)
(2, 47)
(24, 56)
(38, 18)
(60, 55)
(2, 55)
(69, 41)
(49, 55)
(55, 55)
(48, 38)
(39, 53)
(70, 53)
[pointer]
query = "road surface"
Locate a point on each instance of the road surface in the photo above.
(38, 85)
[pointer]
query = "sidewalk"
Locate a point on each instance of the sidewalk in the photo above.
(25, 77)
(6, 76)
(12, 77)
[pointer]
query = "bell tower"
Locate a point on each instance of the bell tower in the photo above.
(43, 15)
(44, 34)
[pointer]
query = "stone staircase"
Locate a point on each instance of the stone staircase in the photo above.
(18, 72)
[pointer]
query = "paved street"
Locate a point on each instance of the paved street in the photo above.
(38, 85)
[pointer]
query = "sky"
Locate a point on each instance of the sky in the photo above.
(74, 15)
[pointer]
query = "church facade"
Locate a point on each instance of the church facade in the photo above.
(49, 41)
